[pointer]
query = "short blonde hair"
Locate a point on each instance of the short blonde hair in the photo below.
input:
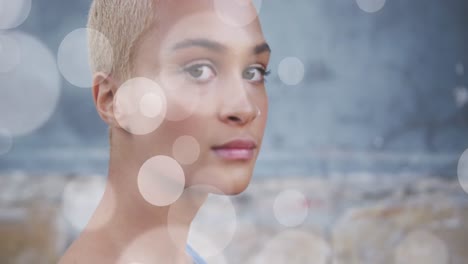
(122, 22)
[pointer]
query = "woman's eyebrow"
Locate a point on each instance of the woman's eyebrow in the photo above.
(264, 47)
(215, 46)
(203, 43)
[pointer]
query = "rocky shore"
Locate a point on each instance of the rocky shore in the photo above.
(343, 219)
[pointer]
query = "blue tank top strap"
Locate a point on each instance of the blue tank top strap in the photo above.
(197, 259)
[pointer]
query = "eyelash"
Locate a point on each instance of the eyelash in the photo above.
(264, 72)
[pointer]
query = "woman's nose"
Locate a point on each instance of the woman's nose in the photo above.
(237, 107)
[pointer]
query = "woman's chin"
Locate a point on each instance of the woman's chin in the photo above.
(231, 180)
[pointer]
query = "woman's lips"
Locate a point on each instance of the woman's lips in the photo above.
(239, 149)
(234, 154)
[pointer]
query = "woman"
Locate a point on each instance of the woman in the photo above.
(184, 97)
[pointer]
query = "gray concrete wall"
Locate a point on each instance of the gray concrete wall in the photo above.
(382, 91)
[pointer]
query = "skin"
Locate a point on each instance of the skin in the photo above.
(192, 53)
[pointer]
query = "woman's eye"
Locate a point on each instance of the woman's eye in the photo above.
(200, 72)
(255, 74)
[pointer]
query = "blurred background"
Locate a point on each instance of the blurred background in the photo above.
(363, 157)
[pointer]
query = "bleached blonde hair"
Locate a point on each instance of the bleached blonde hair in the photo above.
(115, 29)
(122, 23)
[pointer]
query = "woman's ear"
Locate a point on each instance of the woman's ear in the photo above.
(104, 90)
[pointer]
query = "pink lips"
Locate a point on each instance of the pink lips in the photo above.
(239, 149)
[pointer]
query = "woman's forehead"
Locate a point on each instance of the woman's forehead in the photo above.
(208, 19)
(209, 26)
(198, 26)
(182, 8)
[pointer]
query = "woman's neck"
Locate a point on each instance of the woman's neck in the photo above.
(126, 227)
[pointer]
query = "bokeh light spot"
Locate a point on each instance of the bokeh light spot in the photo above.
(460, 94)
(462, 170)
(186, 150)
(289, 208)
(215, 223)
(13, 13)
(10, 54)
(291, 71)
(237, 13)
(30, 91)
(133, 106)
(371, 6)
(161, 180)
(206, 247)
(73, 56)
(151, 105)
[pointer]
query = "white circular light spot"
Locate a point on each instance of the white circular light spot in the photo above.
(30, 91)
(80, 200)
(460, 94)
(221, 259)
(422, 247)
(462, 170)
(293, 244)
(289, 208)
(206, 247)
(161, 180)
(291, 71)
(6, 142)
(215, 223)
(186, 150)
(237, 13)
(136, 108)
(13, 13)
(73, 56)
(371, 6)
(459, 69)
(151, 105)
(10, 54)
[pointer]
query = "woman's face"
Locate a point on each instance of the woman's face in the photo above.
(211, 70)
